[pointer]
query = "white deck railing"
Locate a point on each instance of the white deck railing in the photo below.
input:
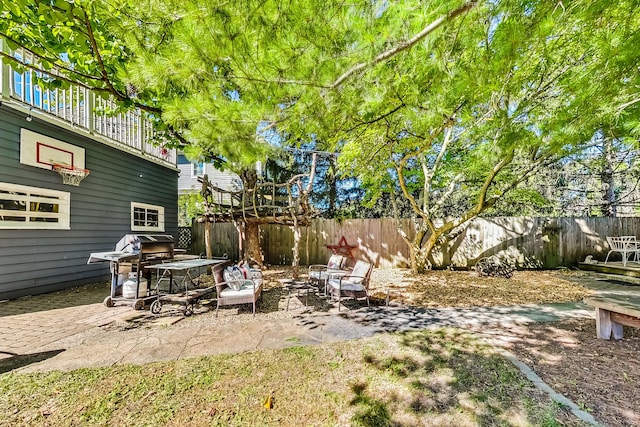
(80, 108)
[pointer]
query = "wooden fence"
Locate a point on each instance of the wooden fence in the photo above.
(525, 241)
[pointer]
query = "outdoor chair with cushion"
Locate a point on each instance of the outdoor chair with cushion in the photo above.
(319, 273)
(235, 288)
(627, 246)
(353, 284)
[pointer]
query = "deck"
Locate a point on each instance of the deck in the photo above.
(631, 271)
(79, 109)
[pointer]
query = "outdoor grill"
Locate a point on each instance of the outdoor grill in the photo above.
(133, 252)
(148, 247)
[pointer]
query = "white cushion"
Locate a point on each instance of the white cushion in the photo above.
(227, 274)
(360, 269)
(335, 262)
(245, 289)
(234, 277)
(347, 285)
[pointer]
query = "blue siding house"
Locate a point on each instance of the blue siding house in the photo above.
(48, 228)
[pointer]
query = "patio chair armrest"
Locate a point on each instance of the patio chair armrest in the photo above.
(347, 278)
(337, 274)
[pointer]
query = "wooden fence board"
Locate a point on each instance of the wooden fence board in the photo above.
(526, 241)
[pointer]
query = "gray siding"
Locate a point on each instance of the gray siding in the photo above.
(39, 261)
(188, 183)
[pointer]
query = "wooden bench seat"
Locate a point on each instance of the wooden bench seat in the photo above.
(612, 314)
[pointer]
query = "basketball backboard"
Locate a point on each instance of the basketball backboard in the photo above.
(43, 152)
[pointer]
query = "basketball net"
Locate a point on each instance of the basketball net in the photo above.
(71, 175)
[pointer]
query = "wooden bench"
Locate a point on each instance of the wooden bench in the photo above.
(612, 314)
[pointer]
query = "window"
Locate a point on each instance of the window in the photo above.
(146, 217)
(198, 169)
(31, 207)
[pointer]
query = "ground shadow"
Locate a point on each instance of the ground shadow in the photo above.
(401, 318)
(16, 361)
(74, 297)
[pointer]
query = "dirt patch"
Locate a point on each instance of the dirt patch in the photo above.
(602, 377)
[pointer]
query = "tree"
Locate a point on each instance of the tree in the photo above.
(78, 43)
(453, 104)
(260, 202)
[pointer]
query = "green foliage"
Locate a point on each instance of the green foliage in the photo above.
(453, 121)
(190, 206)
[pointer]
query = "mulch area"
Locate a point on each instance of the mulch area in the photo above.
(602, 377)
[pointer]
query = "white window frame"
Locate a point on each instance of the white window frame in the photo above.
(27, 196)
(147, 207)
(196, 167)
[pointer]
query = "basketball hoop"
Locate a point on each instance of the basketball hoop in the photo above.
(71, 175)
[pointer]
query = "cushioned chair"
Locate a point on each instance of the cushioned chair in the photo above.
(319, 273)
(234, 291)
(354, 284)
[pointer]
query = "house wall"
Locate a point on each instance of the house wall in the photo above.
(188, 182)
(39, 261)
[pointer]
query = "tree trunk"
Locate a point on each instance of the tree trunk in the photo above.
(607, 178)
(253, 252)
(296, 251)
(207, 239)
(333, 190)
(419, 257)
(420, 252)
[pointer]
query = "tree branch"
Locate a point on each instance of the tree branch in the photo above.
(96, 51)
(428, 174)
(55, 76)
(406, 45)
(482, 197)
(44, 58)
(377, 119)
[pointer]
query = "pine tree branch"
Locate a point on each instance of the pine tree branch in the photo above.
(406, 45)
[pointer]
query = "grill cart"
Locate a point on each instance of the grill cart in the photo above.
(183, 294)
(133, 254)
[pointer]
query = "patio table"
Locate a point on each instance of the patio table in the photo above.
(188, 297)
(297, 285)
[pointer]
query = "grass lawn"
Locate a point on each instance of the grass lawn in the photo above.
(439, 377)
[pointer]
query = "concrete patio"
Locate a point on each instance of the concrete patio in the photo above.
(73, 329)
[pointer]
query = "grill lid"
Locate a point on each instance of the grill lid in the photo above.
(135, 242)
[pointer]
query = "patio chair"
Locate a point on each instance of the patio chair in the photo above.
(625, 246)
(354, 284)
(319, 273)
(235, 290)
